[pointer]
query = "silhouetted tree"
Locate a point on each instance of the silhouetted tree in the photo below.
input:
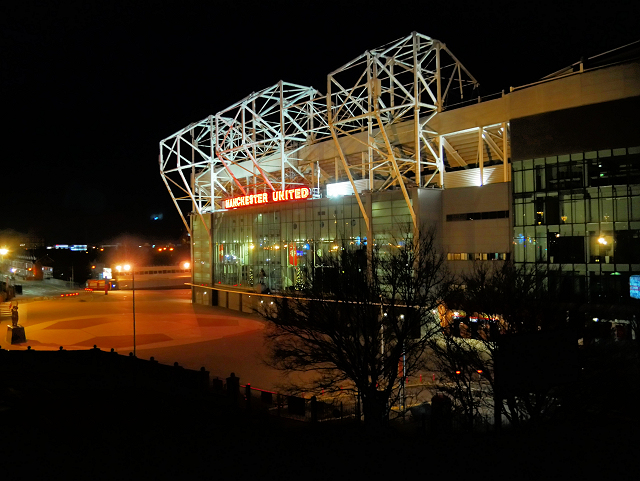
(505, 300)
(369, 327)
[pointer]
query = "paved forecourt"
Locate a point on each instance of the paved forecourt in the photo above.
(168, 327)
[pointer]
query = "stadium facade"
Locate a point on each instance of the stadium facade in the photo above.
(547, 173)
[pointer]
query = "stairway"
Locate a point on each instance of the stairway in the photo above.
(5, 309)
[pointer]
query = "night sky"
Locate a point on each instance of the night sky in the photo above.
(90, 88)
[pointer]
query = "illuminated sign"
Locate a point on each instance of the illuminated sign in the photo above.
(634, 287)
(257, 199)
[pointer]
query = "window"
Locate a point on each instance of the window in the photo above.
(498, 214)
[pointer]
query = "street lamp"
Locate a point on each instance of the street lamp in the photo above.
(128, 268)
(3, 252)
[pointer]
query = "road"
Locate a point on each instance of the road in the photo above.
(168, 327)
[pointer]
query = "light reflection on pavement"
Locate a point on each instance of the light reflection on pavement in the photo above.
(168, 327)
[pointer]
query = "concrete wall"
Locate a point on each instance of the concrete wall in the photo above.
(594, 127)
(475, 236)
(591, 87)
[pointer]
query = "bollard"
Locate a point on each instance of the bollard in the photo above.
(217, 385)
(204, 379)
(314, 409)
(233, 389)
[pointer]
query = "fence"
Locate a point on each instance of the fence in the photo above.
(309, 409)
(112, 370)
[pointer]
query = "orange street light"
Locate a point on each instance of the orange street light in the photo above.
(127, 267)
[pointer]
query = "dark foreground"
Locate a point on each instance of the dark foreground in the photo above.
(94, 425)
(136, 435)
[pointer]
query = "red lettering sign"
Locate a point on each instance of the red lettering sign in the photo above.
(257, 199)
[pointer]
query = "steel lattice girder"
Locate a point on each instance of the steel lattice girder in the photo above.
(391, 93)
(280, 137)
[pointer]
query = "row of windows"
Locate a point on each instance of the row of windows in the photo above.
(478, 256)
(578, 208)
(604, 248)
(574, 171)
(496, 214)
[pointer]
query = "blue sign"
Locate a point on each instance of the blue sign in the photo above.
(634, 287)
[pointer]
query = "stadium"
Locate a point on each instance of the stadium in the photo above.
(545, 173)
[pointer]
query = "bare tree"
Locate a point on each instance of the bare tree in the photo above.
(461, 364)
(504, 300)
(363, 323)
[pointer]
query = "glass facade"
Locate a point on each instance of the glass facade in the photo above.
(200, 244)
(390, 221)
(282, 241)
(581, 212)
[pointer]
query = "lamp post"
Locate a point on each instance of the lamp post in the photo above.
(127, 268)
(3, 252)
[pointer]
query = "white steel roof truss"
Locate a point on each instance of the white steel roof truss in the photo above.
(266, 134)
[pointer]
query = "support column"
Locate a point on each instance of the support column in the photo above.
(440, 160)
(505, 155)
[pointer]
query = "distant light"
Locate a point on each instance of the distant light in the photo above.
(186, 265)
(602, 241)
(127, 267)
(93, 267)
(458, 372)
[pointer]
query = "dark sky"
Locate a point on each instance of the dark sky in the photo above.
(90, 88)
